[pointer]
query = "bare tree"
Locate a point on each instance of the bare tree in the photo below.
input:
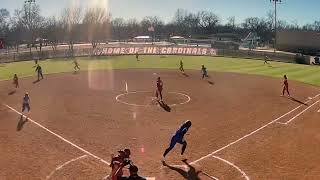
(270, 20)
(154, 22)
(133, 28)
(53, 32)
(30, 19)
(282, 25)
(178, 23)
(208, 21)
(293, 25)
(308, 27)
(70, 19)
(179, 16)
(4, 22)
(231, 22)
(18, 32)
(118, 25)
(97, 23)
(251, 23)
(191, 22)
(316, 25)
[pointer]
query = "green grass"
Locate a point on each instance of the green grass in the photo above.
(303, 73)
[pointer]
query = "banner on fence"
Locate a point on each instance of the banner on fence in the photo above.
(155, 50)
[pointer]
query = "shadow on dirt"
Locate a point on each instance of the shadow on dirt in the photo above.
(190, 174)
(298, 101)
(21, 123)
(164, 106)
(12, 92)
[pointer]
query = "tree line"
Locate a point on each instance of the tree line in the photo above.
(96, 25)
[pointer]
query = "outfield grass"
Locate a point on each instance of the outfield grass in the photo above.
(304, 73)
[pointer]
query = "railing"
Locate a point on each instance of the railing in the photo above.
(132, 49)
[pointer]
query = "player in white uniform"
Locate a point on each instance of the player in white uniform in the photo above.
(26, 104)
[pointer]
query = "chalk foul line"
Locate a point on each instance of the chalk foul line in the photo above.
(68, 142)
(247, 135)
(65, 164)
(60, 137)
(126, 87)
(300, 113)
(310, 98)
(209, 176)
(233, 165)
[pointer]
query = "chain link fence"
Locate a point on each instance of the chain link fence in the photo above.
(88, 51)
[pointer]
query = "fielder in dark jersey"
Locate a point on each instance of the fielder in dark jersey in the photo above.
(159, 89)
(16, 81)
(39, 71)
(204, 72)
(181, 66)
(76, 65)
(179, 138)
(266, 59)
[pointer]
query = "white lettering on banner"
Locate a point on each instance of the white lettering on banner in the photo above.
(194, 51)
(199, 52)
(213, 52)
(174, 50)
(204, 51)
(154, 50)
(122, 51)
(116, 50)
(96, 52)
(131, 50)
(163, 50)
(110, 50)
(105, 51)
(169, 50)
(150, 50)
(136, 50)
(188, 51)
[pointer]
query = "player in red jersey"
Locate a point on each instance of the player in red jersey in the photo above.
(118, 162)
(285, 86)
(159, 89)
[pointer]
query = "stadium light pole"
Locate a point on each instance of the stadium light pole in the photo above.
(275, 23)
(29, 2)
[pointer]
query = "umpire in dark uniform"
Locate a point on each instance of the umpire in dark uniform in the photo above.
(134, 174)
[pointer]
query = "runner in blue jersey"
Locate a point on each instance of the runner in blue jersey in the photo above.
(179, 138)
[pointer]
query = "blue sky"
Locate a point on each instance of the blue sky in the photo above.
(301, 11)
